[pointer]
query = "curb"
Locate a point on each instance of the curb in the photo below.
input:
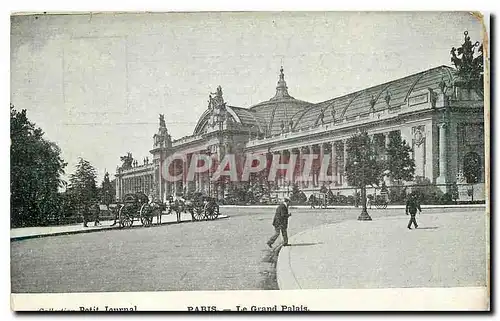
(283, 268)
(100, 229)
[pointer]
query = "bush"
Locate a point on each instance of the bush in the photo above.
(297, 196)
(427, 192)
(446, 199)
(397, 194)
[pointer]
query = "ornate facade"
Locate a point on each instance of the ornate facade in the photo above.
(441, 120)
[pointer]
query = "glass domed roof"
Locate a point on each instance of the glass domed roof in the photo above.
(279, 110)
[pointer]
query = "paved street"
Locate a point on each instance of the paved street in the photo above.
(227, 254)
(447, 250)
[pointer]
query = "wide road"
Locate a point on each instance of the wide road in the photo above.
(226, 254)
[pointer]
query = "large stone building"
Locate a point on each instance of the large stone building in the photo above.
(442, 122)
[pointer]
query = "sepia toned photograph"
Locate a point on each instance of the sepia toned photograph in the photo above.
(264, 157)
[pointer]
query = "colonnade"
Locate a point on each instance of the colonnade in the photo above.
(140, 183)
(335, 172)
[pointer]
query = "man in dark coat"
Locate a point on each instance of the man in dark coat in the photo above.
(95, 209)
(412, 205)
(85, 214)
(280, 223)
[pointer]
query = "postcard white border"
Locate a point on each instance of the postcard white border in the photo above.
(452, 299)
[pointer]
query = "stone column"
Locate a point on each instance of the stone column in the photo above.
(301, 168)
(334, 163)
(386, 178)
(443, 157)
(344, 179)
(159, 184)
(289, 153)
(295, 171)
(281, 178)
(117, 186)
(310, 179)
(320, 161)
(196, 182)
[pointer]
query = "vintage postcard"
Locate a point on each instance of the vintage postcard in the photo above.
(250, 161)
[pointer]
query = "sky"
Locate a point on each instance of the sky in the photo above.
(96, 83)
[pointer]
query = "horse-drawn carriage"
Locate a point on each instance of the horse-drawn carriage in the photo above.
(199, 206)
(136, 207)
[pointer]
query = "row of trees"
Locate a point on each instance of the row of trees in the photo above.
(35, 177)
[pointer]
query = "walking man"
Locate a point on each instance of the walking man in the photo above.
(95, 210)
(115, 212)
(412, 205)
(280, 223)
(84, 210)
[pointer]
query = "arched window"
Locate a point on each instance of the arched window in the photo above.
(472, 167)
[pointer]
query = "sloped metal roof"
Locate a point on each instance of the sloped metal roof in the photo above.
(384, 96)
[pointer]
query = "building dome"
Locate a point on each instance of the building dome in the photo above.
(279, 110)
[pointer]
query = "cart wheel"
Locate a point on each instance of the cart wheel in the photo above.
(146, 221)
(198, 214)
(146, 215)
(212, 211)
(126, 221)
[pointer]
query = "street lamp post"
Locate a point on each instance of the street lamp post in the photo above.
(364, 216)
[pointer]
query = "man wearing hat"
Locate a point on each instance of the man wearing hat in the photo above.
(280, 222)
(412, 205)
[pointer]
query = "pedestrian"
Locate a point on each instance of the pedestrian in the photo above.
(96, 209)
(280, 222)
(85, 215)
(114, 211)
(369, 202)
(312, 201)
(412, 205)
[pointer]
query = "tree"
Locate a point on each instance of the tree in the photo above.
(362, 167)
(107, 191)
(35, 175)
(82, 183)
(400, 165)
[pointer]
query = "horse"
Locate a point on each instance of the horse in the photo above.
(177, 205)
(158, 211)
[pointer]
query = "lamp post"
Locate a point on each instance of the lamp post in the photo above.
(364, 216)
